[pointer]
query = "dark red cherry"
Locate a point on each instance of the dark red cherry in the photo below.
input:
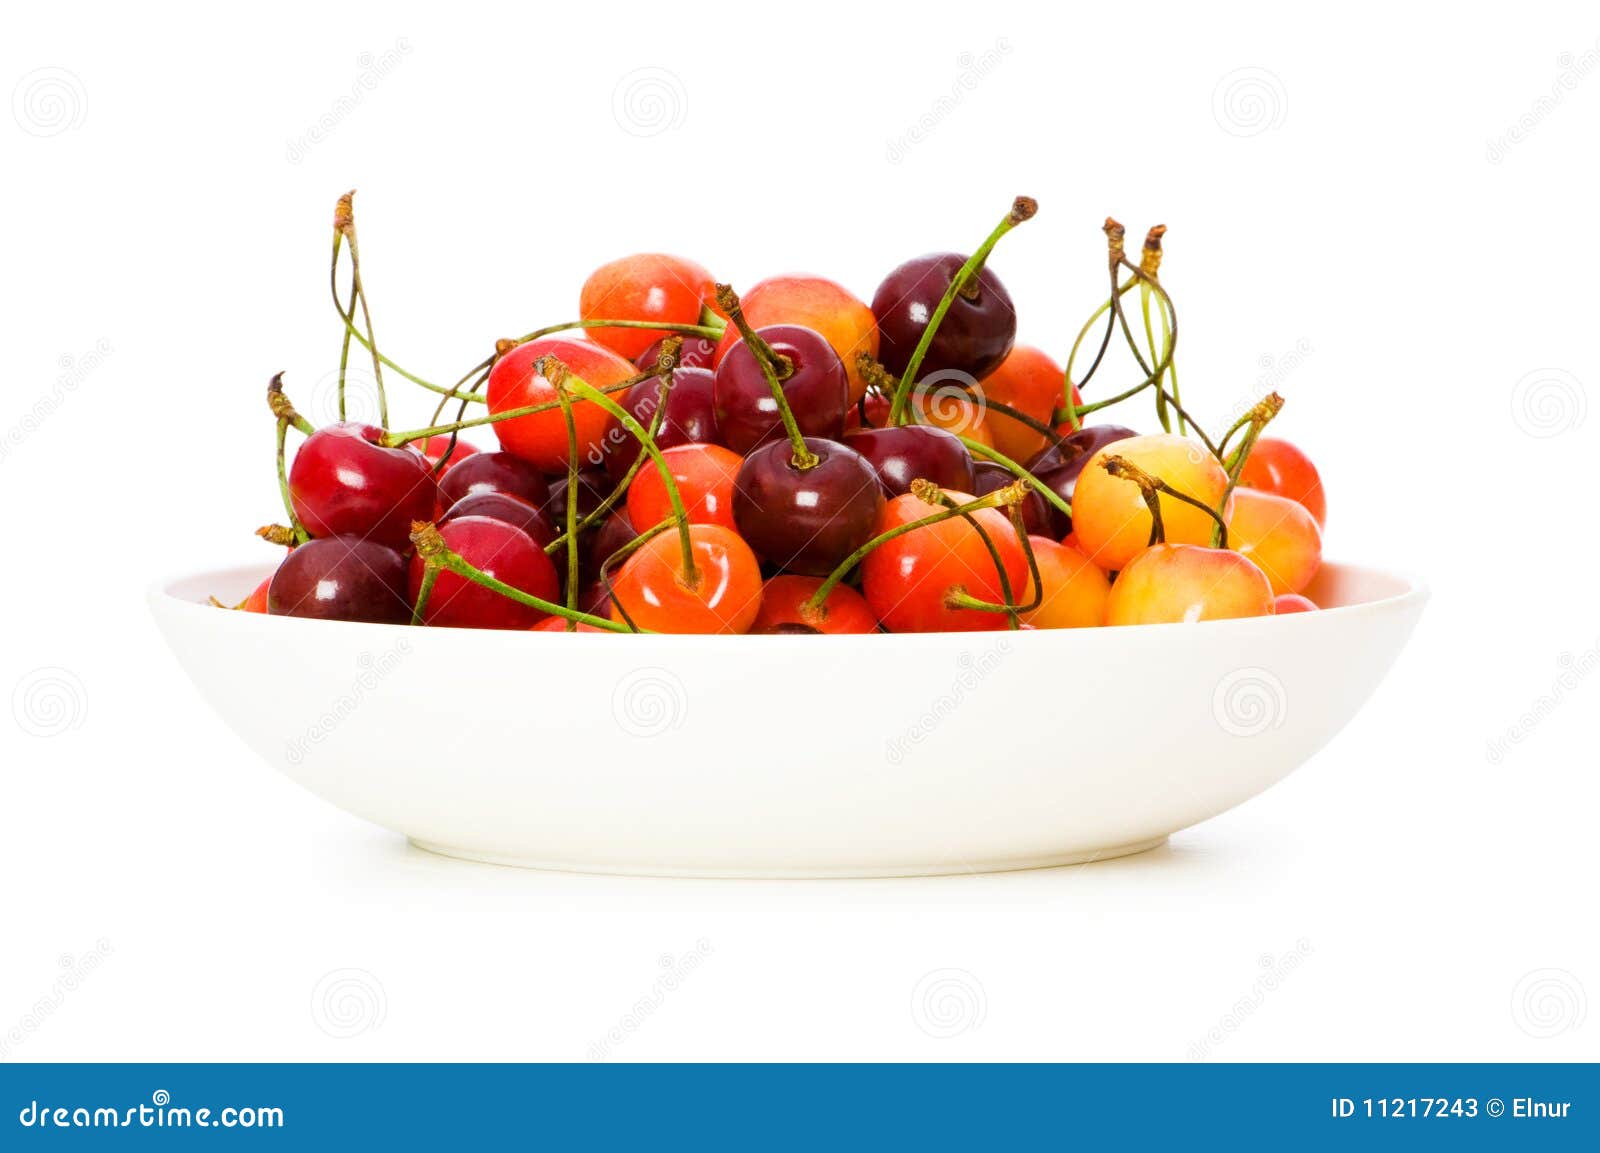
(697, 352)
(615, 533)
(341, 578)
(344, 482)
(691, 417)
(504, 552)
(901, 455)
(806, 520)
(816, 387)
(501, 506)
(1035, 509)
(494, 472)
(974, 336)
(593, 488)
(1059, 465)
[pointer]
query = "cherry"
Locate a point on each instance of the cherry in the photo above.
(494, 472)
(1029, 381)
(1280, 535)
(433, 450)
(344, 482)
(502, 551)
(256, 602)
(705, 474)
(814, 382)
(696, 352)
(1285, 603)
(1109, 514)
(817, 303)
(783, 601)
(1036, 511)
(724, 597)
(593, 488)
(541, 438)
(615, 532)
(805, 519)
(1075, 591)
(912, 582)
(914, 451)
(341, 578)
(1184, 583)
(1276, 466)
(504, 507)
(646, 286)
(1060, 465)
(691, 418)
(976, 333)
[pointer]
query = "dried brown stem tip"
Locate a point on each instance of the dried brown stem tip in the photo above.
(344, 213)
(727, 299)
(875, 374)
(1266, 408)
(430, 544)
(1114, 235)
(278, 401)
(1023, 208)
(277, 534)
(667, 358)
(1150, 259)
(503, 346)
(1124, 469)
(552, 369)
(926, 491)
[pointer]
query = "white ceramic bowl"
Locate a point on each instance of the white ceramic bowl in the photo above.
(790, 756)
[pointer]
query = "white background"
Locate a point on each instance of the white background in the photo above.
(1349, 187)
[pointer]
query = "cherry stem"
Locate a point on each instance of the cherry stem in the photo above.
(1009, 495)
(958, 597)
(1018, 471)
(961, 599)
(280, 534)
(1259, 416)
(1022, 208)
(880, 378)
(777, 368)
(1151, 488)
(573, 481)
(430, 574)
(1072, 356)
(560, 377)
(436, 554)
(344, 221)
(396, 439)
(284, 412)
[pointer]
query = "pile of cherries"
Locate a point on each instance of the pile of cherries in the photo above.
(682, 459)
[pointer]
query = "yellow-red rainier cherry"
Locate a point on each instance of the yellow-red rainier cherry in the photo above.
(1109, 514)
(1183, 583)
(1075, 591)
(1278, 534)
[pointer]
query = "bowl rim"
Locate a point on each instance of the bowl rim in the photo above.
(1413, 590)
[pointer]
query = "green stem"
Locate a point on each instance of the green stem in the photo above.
(430, 575)
(300, 533)
(573, 481)
(1017, 471)
(1022, 209)
(396, 439)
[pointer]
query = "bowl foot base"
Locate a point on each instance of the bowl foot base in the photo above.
(948, 867)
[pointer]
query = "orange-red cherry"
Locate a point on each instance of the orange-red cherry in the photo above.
(705, 475)
(1276, 466)
(541, 438)
(1029, 381)
(646, 286)
(1280, 535)
(783, 600)
(725, 598)
(1286, 603)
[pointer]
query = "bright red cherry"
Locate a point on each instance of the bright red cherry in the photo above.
(341, 578)
(433, 450)
(1184, 583)
(783, 601)
(1276, 466)
(646, 286)
(910, 581)
(814, 384)
(541, 439)
(975, 334)
(705, 475)
(806, 520)
(502, 551)
(554, 624)
(725, 597)
(345, 482)
(494, 472)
